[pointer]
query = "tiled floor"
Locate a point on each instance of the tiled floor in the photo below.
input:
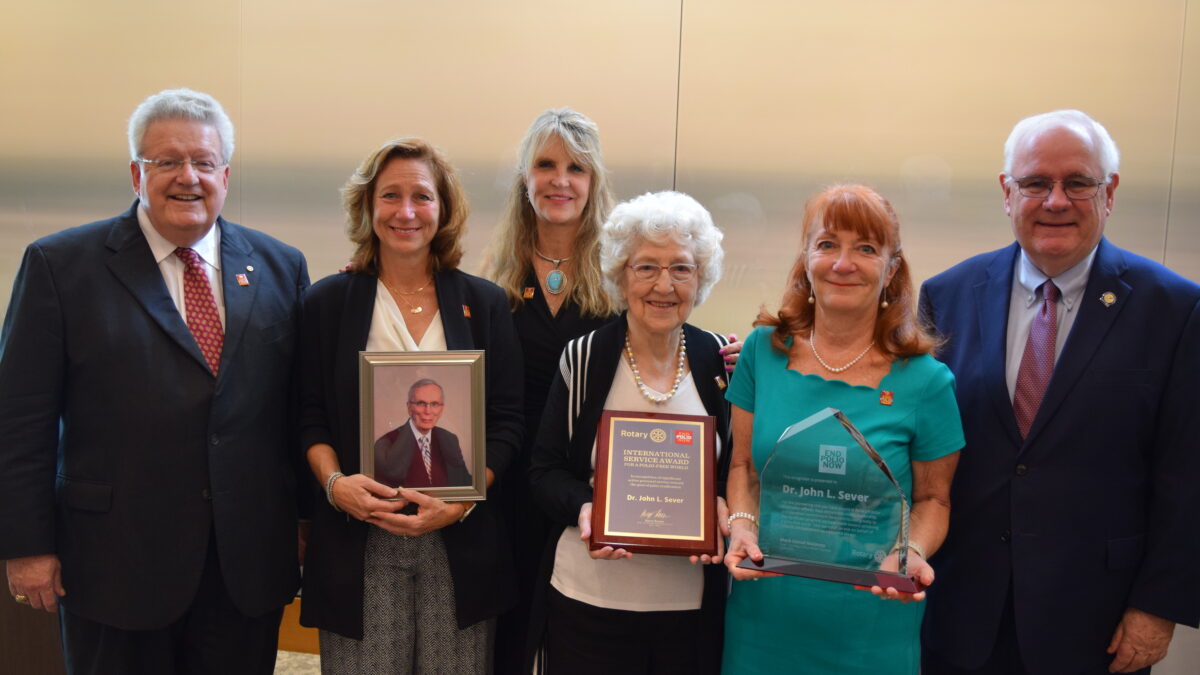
(295, 663)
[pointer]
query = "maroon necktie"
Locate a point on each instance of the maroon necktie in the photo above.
(202, 317)
(1037, 363)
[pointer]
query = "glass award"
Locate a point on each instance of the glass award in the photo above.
(830, 508)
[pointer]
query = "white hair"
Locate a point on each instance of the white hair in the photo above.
(1103, 146)
(425, 382)
(660, 217)
(184, 104)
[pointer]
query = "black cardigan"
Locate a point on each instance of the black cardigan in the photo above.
(561, 464)
(335, 327)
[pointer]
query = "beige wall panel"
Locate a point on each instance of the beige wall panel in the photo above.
(1183, 253)
(71, 73)
(1183, 228)
(312, 88)
(322, 89)
(914, 98)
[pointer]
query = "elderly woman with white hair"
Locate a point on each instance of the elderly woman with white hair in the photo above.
(609, 610)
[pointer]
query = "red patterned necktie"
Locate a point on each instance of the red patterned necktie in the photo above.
(202, 317)
(1037, 363)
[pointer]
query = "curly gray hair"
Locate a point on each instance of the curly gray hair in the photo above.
(659, 217)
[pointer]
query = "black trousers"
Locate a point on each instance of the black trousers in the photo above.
(582, 639)
(212, 637)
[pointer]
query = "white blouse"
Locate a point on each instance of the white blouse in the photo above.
(390, 334)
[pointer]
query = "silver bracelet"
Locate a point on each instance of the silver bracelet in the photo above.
(915, 547)
(467, 512)
(740, 514)
(329, 488)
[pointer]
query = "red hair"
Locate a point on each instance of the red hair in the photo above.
(863, 211)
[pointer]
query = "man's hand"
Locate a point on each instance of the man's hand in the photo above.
(39, 578)
(1141, 640)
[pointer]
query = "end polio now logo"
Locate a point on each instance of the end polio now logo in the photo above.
(832, 459)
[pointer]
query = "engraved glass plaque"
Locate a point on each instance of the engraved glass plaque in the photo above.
(830, 508)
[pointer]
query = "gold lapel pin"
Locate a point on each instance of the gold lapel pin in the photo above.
(1108, 298)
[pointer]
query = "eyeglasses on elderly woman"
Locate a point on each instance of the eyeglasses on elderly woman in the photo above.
(679, 272)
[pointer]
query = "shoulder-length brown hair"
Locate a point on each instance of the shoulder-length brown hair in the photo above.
(358, 197)
(863, 211)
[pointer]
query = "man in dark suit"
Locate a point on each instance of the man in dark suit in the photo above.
(147, 483)
(1074, 532)
(420, 453)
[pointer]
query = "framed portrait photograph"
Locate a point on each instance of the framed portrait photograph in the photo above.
(422, 418)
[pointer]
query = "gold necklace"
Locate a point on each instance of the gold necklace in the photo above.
(412, 309)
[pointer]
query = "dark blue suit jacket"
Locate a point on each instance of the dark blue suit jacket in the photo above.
(1097, 509)
(121, 451)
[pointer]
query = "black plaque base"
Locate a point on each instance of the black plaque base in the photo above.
(842, 575)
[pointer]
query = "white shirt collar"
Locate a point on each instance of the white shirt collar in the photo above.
(1070, 283)
(207, 247)
(417, 432)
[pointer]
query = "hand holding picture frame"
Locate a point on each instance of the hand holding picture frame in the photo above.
(422, 417)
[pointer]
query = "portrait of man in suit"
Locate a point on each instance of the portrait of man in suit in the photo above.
(148, 476)
(1073, 533)
(419, 453)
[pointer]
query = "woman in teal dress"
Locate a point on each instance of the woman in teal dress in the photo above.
(846, 337)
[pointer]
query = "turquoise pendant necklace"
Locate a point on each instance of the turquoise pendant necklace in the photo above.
(556, 281)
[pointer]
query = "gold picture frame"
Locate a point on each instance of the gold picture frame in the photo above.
(453, 427)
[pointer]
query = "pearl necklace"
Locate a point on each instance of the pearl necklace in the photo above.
(556, 280)
(658, 399)
(412, 309)
(812, 343)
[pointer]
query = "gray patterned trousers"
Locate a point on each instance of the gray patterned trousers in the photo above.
(409, 624)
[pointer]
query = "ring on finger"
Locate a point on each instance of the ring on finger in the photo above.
(21, 599)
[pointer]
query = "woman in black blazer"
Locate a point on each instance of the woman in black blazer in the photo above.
(397, 589)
